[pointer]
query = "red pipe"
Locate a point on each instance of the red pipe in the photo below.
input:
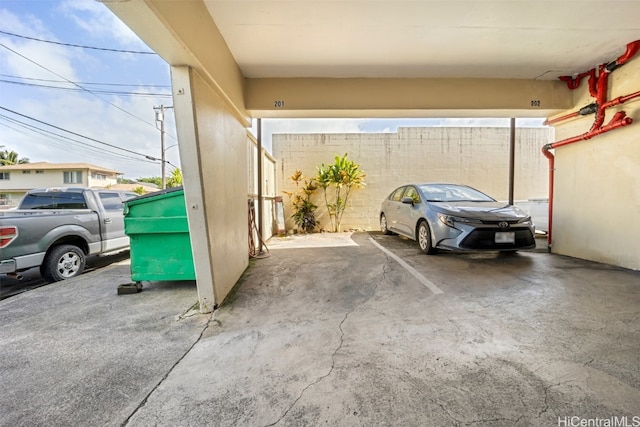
(620, 119)
(598, 88)
(574, 82)
(632, 49)
(552, 168)
(561, 118)
(601, 96)
(621, 100)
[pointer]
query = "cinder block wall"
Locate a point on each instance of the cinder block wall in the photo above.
(475, 156)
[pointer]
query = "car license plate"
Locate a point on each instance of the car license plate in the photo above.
(505, 237)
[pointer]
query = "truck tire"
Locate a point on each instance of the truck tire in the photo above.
(63, 262)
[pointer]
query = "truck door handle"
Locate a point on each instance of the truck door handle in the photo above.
(107, 220)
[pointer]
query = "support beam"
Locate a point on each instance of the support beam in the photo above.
(360, 97)
(512, 158)
(192, 166)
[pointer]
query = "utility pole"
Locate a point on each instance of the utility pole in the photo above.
(160, 118)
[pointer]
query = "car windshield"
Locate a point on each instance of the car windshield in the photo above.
(453, 193)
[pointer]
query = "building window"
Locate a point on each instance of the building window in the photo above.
(26, 172)
(4, 199)
(4, 176)
(98, 176)
(38, 172)
(73, 177)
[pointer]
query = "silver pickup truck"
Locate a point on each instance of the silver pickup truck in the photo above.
(56, 228)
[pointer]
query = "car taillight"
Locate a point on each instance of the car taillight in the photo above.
(7, 235)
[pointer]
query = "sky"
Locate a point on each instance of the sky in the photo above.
(67, 104)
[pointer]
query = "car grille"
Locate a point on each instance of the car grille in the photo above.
(493, 222)
(485, 239)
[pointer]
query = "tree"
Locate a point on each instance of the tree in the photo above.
(175, 180)
(11, 158)
(341, 176)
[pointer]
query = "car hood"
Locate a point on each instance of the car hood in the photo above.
(485, 211)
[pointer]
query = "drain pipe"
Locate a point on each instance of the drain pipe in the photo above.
(598, 88)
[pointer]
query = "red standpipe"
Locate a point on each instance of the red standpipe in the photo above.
(598, 88)
(574, 82)
(620, 119)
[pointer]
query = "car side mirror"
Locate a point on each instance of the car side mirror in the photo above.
(407, 200)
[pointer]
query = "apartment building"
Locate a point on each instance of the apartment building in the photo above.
(16, 180)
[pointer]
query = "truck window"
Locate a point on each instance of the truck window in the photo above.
(50, 200)
(111, 201)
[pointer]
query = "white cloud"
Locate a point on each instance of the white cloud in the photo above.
(99, 22)
(89, 116)
(53, 57)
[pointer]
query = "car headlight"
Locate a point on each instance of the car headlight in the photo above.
(526, 219)
(450, 220)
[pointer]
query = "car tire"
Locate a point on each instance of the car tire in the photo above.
(383, 225)
(424, 239)
(63, 262)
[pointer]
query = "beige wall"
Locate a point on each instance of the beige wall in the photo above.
(597, 182)
(13, 189)
(213, 150)
(52, 178)
(475, 156)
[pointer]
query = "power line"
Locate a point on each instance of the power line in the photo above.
(79, 46)
(73, 133)
(82, 145)
(85, 89)
(84, 83)
(73, 89)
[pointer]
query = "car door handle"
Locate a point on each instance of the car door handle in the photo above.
(107, 220)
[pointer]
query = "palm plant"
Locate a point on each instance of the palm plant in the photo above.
(175, 180)
(341, 176)
(11, 158)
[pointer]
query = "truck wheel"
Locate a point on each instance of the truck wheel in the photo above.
(63, 262)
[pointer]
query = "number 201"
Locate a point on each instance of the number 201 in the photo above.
(278, 104)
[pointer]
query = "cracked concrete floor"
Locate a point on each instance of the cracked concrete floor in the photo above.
(346, 336)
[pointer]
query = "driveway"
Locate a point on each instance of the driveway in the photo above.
(372, 332)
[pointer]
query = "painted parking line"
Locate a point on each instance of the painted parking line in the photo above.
(426, 282)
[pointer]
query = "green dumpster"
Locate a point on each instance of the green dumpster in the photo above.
(158, 231)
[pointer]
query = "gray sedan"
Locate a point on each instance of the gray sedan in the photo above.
(455, 217)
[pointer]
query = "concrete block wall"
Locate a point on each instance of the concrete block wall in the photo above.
(468, 155)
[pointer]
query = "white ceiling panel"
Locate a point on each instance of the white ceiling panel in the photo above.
(527, 39)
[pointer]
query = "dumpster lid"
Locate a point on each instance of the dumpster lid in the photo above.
(156, 195)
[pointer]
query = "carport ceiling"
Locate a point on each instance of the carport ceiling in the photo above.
(523, 39)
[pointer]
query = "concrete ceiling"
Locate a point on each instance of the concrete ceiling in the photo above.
(522, 39)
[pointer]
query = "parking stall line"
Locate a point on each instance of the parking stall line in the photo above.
(426, 282)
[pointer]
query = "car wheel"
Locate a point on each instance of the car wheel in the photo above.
(383, 225)
(63, 262)
(424, 239)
